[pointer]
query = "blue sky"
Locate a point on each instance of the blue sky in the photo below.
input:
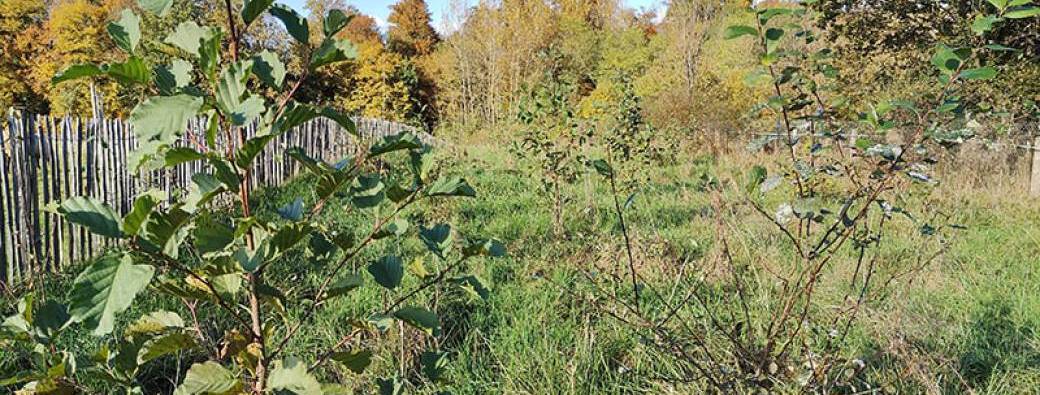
(379, 9)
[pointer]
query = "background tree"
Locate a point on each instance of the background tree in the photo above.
(410, 33)
(20, 22)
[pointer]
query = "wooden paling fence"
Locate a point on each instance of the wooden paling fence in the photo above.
(46, 159)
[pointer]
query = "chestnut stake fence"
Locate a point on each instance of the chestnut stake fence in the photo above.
(45, 159)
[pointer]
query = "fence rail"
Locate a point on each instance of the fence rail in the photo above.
(46, 159)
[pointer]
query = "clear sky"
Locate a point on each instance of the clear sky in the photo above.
(380, 9)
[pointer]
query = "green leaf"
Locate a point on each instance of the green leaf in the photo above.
(209, 378)
(602, 167)
(294, 23)
(126, 32)
(143, 206)
(344, 121)
(395, 142)
(76, 71)
(92, 214)
(153, 323)
(212, 235)
(251, 9)
(355, 360)
(755, 178)
(387, 271)
(390, 386)
(333, 51)
(983, 23)
(948, 60)
(438, 239)
(1023, 12)
(773, 36)
(344, 285)
(291, 376)
(50, 318)
(269, 68)
(232, 88)
(455, 186)
(335, 20)
(251, 149)
(739, 31)
(420, 318)
(165, 344)
(483, 247)
(292, 211)
(434, 364)
(105, 288)
(157, 7)
(982, 73)
(472, 285)
(169, 79)
(204, 187)
(189, 37)
(162, 119)
(295, 114)
(367, 191)
(180, 155)
(397, 227)
(133, 71)
(1000, 4)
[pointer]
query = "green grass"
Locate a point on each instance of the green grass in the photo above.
(969, 319)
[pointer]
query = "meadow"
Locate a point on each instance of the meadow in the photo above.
(965, 322)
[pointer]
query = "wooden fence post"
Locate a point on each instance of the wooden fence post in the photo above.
(1034, 173)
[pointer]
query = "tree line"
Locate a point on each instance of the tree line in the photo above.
(474, 71)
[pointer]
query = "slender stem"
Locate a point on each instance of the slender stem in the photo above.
(628, 241)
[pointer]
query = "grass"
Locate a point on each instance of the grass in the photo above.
(968, 320)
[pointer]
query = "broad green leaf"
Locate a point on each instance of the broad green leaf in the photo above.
(420, 318)
(165, 231)
(251, 9)
(335, 20)
(126, 32)
(294, 23)
(165, 344)
(483, 247)
(189, 37)
(387, 271)
(162, 119)
(738, 31)
(180, 155)
(133, 71)
(472, 285)
(344, 121)
(355, 360)
(773, 36)
(204, 187)
(157, 7)
(77, 71)
(602, 167)
(143, 206)
(454, 186)
(434, 364)
(344, 285)
(982, 73)
(49, 319)
(438, 239)
(269, 68)
(212, 235)
(395, 142)
(232, 88)
(251, 149)
(983, 23)
(333, 51)
(1000, 4)
(390, 386)
(154, 322)
(92, 214)
(209, 378)
(106, 288)
(295, 114)
(1023, 12)
(292, 211)
(367, 191)
(397, 227)
(291, 376)
(169, 79)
